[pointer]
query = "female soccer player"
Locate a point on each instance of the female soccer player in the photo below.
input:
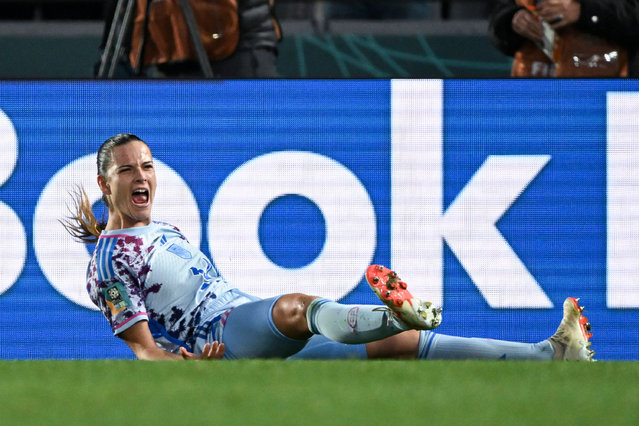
(166, 299)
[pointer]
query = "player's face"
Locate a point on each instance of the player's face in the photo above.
(131, 183)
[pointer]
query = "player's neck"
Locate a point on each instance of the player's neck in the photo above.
(116, 222)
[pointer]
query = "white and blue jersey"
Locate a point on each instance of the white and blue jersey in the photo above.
(153, 274)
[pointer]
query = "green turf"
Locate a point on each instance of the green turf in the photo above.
(318, 392)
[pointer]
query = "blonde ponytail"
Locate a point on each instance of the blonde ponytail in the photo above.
(82, 223)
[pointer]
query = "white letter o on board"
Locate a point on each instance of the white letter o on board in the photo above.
(350, 220)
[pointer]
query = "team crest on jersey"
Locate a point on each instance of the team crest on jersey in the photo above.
(116, 298)
(179, 251)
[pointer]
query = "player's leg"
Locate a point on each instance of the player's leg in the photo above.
(399, 346)
(570, 342)
(424, 344)
(279, 327)
(434, 346)
(320, 347)
(427, 345)
(300, 316)
(381, 328)
(356, 324)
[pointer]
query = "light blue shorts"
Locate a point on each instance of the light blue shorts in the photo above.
(249, 332)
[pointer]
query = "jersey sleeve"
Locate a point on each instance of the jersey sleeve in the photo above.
(123, 304)
(115, 289)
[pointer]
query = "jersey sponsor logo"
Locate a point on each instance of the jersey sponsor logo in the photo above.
(179, 251)
(116, 298)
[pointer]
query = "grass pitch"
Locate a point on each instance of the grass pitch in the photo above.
(318, 393)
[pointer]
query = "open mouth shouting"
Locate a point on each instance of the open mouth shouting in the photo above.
(140, 197)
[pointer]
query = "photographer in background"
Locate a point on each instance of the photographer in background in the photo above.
(240, 38)
(568, 38)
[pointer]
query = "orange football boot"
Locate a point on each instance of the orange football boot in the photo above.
(571, 340)
(408, 309)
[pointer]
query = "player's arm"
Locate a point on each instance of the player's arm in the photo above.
(141, 342)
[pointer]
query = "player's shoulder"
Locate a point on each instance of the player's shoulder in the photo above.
(160, 225)
(166, 228)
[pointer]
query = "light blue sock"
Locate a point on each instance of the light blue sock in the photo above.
(351, 324)
(440, 346)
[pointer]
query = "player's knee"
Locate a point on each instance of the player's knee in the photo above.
(289, 315)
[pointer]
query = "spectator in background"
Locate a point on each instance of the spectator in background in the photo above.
(592, 38)
(254, 55)
(256, 52)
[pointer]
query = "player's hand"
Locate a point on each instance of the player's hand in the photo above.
(559, 13)
(525, 23)
(210, 351)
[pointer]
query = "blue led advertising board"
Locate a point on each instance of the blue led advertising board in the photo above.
(495, 199)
